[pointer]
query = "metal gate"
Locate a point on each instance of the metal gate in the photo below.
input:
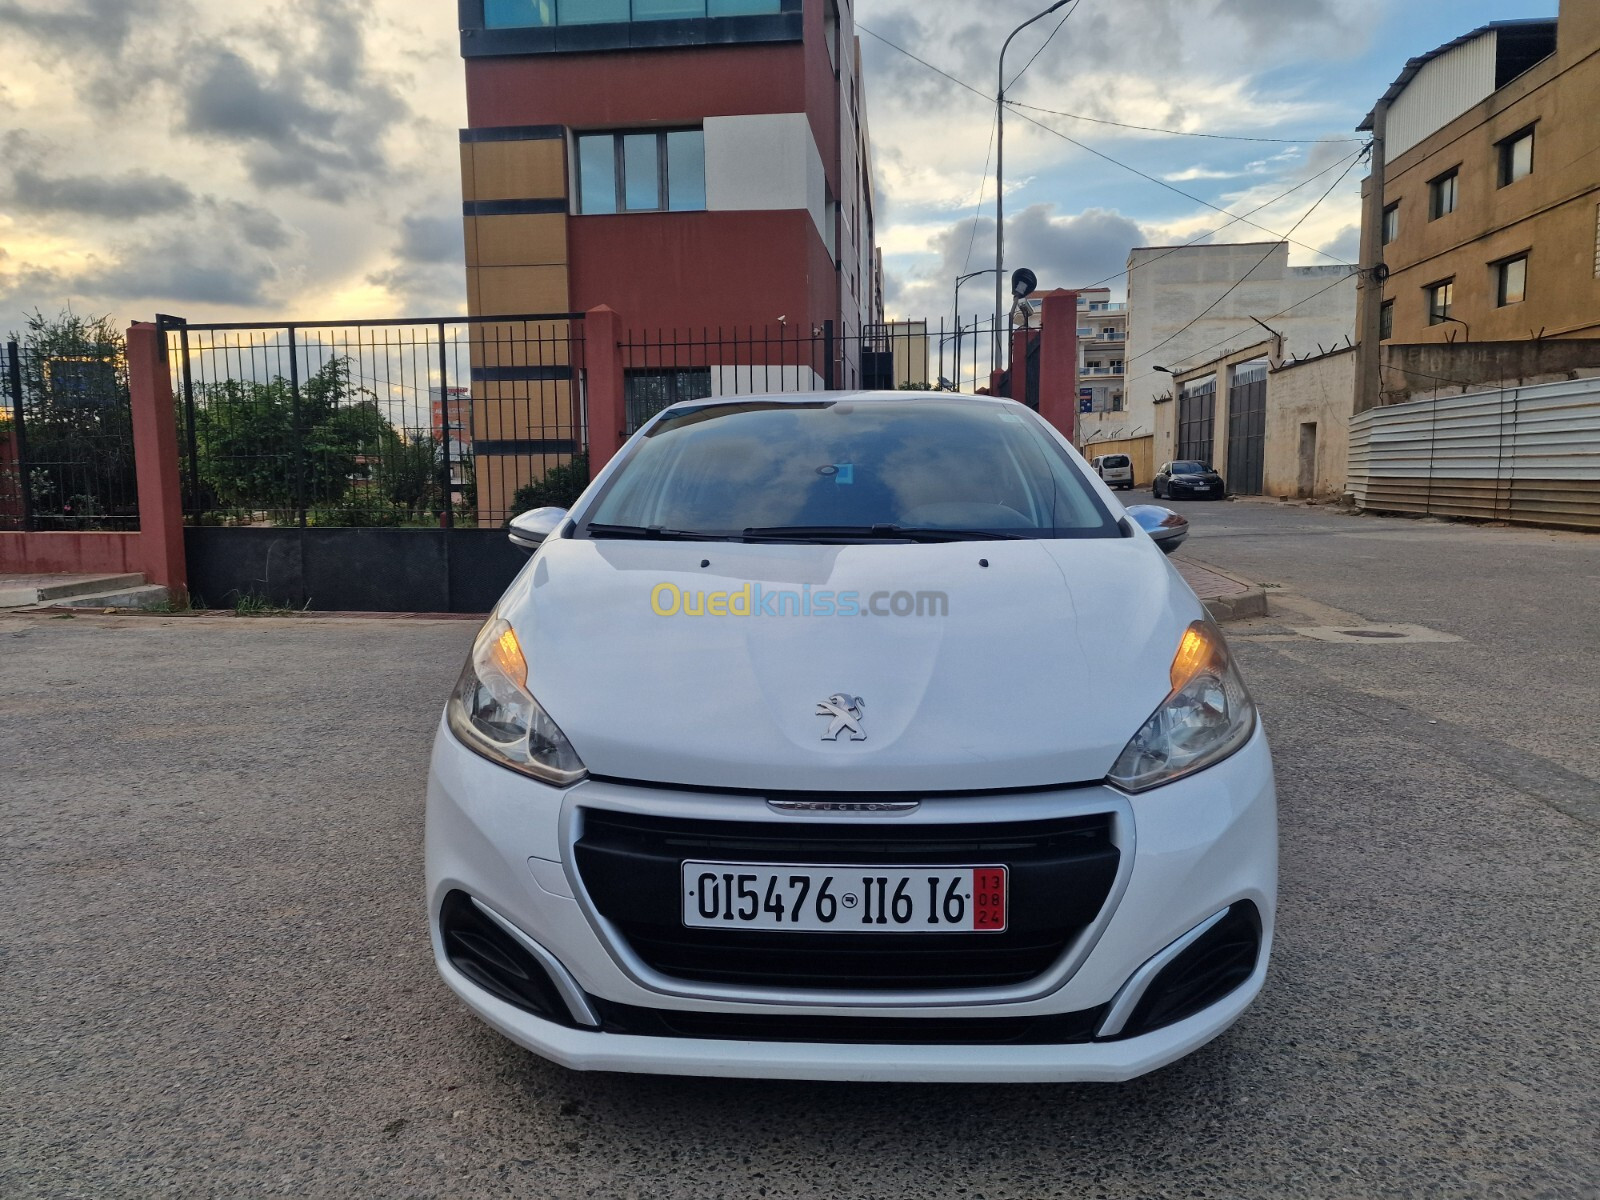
(1197, 419)
(372, 465)
(1247, 428)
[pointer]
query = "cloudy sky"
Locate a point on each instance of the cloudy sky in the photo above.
(297, 158)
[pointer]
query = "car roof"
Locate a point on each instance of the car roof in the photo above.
(860, 396)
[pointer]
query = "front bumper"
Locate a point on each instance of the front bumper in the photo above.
(1190, 850)
(1195, 489)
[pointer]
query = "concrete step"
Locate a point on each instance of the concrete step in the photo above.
(23, 591)
(144, 596)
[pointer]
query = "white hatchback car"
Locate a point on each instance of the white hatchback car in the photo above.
(851, 736)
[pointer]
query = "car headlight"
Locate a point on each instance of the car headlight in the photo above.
(1206, 717)
(493, 712)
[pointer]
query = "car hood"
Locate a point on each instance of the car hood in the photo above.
(1048, 660)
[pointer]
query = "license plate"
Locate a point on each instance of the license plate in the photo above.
(854, 899)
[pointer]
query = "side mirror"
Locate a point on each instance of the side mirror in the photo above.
(1165, 527)
(528, 530)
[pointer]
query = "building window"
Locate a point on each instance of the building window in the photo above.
(1516, 157)
(1511, 280)
(1391, 223)
(526, 14)
(1386, 321)
(656, 171)
(1442, 195)
(1441, 298)
(831, 32)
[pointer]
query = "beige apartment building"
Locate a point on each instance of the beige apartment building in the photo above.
(1491, 223)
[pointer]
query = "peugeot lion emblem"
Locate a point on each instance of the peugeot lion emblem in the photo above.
(846, 712)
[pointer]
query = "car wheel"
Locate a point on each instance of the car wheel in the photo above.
(1155, 491)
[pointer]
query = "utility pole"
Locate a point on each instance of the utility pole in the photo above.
(999, 179)
(1369, 286)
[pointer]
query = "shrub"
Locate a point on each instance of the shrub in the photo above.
(560, 487)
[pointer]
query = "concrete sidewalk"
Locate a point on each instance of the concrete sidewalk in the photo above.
(1226, 598)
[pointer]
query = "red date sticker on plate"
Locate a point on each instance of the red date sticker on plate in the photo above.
(988, 899)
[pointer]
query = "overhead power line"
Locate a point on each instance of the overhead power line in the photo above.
(1244, 332)
(983, 183)
(1091, 150)
(1238, 283)
(1045, 45)
(1187, 195)
(1222, 137)
(1204, 234)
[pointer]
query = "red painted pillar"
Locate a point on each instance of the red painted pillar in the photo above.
(1058, 362)
(1019, 364)
(155, 456)
(602, 361)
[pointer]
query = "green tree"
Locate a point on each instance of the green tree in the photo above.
(255, 454)
(560, 488)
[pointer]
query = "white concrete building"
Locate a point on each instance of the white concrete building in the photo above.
(1181, 312)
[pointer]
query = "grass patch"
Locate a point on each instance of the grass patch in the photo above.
(254, 604)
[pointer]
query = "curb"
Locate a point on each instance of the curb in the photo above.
(1239, 603)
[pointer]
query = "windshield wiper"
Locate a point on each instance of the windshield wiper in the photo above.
(655, 533)
(888, 532)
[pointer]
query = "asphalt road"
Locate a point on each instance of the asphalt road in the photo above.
(216, 976)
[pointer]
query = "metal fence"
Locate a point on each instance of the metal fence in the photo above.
(66, 439)
(419, 423)
(666, 366)
(462, 423)
(1529, 454)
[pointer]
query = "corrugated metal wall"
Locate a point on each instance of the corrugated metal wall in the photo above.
(1524, 454)
(1443, 90)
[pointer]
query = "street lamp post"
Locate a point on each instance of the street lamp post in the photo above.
(999, 173)
(960, 279)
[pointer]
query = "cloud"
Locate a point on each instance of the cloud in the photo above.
(431, 239)
(427, 274)
(1345, 245)
(97, 42)
(128, 196)
(1190, 174)
(178, 268)
(1064, 251)
(307, 111)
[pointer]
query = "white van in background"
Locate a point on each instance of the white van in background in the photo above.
(1115, 469)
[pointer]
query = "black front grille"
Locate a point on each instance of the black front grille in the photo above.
(1061, 872)
(1055, 1029)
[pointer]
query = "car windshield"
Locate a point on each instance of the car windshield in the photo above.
(918, 469)
(1116, 460)
(1190, 468)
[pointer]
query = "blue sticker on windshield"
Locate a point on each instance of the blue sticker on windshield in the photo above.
(845, 473)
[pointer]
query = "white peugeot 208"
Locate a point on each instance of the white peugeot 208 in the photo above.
(851, 736)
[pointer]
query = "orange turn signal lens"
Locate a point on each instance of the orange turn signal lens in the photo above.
(506, 654)
(1200, 649)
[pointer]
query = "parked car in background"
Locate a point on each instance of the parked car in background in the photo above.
(1115, 469)
(690, 813)
(1188, 479)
